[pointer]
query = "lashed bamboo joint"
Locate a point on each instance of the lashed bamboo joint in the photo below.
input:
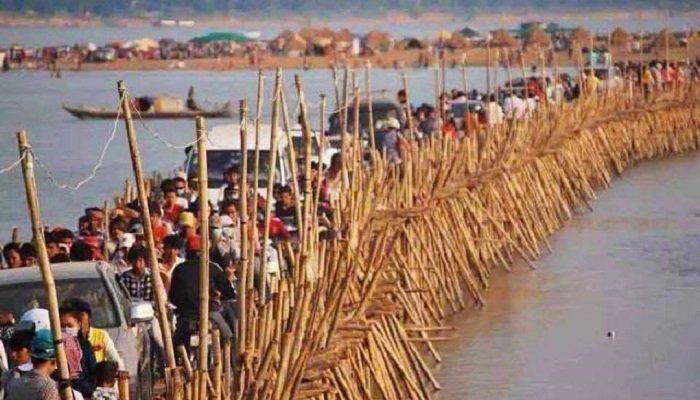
(358, 314)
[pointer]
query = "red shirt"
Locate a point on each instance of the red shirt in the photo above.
(172, 214)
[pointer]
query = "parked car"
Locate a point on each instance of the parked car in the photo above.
(112, 309)
(103, 54)
(381, 109)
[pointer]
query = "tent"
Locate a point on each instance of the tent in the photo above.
(619, 37)
(222, 37)
(469, 33)
(537, 37)
(580, 35)
(378, 40)
(503, 38)
(659, 42)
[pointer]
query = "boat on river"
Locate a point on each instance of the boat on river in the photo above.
(158, 107)
(87, 112)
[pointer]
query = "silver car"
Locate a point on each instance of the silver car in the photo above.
(94, 282)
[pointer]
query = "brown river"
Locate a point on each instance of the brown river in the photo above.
(631, 267)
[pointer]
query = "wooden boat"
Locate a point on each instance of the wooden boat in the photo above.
(85, 112)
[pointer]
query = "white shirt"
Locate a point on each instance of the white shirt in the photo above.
(531, 105)
(514, 107)
(495, 113)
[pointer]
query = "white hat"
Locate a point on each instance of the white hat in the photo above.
(40, 318)
(126, 240)
(225, 220)
(393, 123)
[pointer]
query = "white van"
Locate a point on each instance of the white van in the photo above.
(224, 151)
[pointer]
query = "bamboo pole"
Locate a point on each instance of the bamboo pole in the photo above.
(438, 103)
(368, 90)
(465, 85)
(30, 187)
(308, 199)
(245, 261)
(218, 370)
(203, 186)
(292, 157)
(256, 174)
(16, 238)
(272, 162)
(407, 107)
(173, 381)
(123, 385)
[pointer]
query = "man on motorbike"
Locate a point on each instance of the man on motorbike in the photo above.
(184, 294)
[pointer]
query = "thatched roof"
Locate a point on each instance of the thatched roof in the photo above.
(503, 38)
(410, 43)
(344, 35)
(580, 35)
(297, 43)
(659, 42)
(457, 41)
(537, 37)
(311, 33)
(287, 34)
(377, 39)
(619, 37)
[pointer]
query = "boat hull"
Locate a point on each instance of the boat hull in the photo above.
(86, 113)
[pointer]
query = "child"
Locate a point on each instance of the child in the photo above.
(106, 380)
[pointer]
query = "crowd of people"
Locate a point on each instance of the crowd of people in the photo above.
(459, 112)
(118, 237)
(94, 364)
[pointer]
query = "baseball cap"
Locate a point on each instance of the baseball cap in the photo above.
(187, 219)
(42, 345)
(126, 240)
(393, 123)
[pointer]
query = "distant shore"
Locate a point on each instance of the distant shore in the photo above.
(391, 59)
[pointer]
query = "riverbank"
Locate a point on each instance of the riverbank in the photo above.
(390, 59)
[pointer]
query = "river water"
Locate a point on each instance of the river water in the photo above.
(632, 267)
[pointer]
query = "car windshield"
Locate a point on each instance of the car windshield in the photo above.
(380, 111)
(19, 298)
(298, 143)
(218, 161)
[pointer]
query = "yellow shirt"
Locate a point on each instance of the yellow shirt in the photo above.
(98, 340)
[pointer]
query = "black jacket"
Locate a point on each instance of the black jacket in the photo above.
(184, 286)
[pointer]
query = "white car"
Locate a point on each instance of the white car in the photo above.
(224, 150)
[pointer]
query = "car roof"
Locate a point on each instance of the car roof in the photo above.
(228, 137)
(63, 271)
